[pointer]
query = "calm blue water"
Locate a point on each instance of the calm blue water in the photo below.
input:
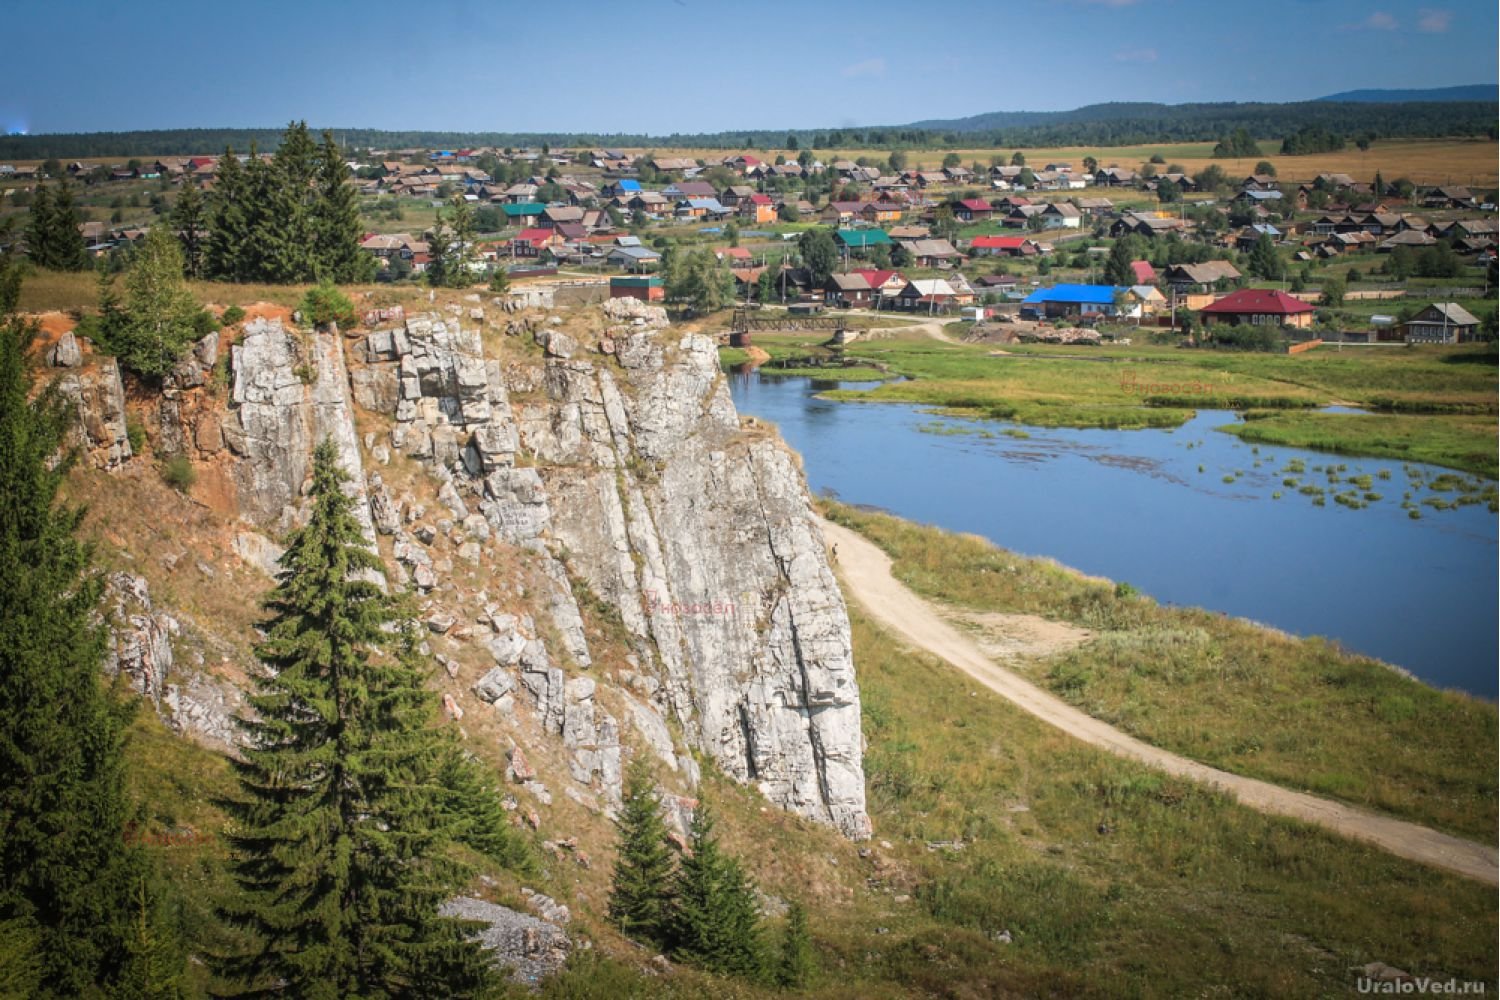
(1132, 506)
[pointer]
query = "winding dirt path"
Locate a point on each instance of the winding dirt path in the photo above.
(865, 571)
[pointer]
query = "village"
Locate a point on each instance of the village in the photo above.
(1056, 250)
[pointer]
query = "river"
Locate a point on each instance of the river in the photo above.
(1133, 506)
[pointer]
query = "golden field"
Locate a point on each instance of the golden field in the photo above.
(1422, 161)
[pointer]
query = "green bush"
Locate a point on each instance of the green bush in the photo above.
(178, 473)
(326, 304)
(204, 323)
(135, 433)
(232, 315)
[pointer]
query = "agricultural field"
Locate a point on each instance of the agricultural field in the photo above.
(1423, 161)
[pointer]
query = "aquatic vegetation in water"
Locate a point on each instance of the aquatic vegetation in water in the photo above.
(1290, 482)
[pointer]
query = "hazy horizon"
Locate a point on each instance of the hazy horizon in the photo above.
(684, 66)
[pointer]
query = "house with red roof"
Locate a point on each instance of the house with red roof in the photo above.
(757, 208)
(972, 210)
(1259, 307)
(1004, 246)
(885, 283)
(531, 242)
(1144, 273)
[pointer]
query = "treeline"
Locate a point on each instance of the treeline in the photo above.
(1114, 124)
(293, 217)
(1313, 139)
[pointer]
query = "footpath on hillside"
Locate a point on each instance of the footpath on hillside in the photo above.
(865, 571)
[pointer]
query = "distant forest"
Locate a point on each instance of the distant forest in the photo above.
(1118, 124)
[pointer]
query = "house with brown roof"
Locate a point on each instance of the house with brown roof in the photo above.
(931, 253)
(1203, 275)
(1061, 215)
(1259, 307)
(848, 291)
(1442, 323)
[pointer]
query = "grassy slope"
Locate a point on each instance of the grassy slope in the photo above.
(1112, 881)
(1293, 711)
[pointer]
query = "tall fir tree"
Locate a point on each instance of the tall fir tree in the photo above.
(336, 223)
(796, 965)
(341, 832)
(714, 923)
(39, 246)
(188, 219)
(68, 877)
(640, 895)
(279, 244)
(1117, 269)
(228, 227)
(68, 252)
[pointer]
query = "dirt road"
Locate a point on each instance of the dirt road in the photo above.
(866, 574)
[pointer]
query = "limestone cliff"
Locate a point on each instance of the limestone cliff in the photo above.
(509, 485)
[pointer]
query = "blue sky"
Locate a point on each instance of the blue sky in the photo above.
(664, 66)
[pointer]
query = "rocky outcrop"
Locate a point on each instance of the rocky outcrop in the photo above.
(99, 396)
(698, 534)
(141, 648)
(289, 392)
(530, 948)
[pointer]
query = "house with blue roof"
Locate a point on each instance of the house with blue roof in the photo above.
(1061, 301)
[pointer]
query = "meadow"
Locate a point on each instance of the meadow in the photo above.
(1435, 404)
(1239, 696)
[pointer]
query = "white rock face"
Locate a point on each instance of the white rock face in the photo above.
(99, 396)
(290, 391)
(193, 703)
(640, 483)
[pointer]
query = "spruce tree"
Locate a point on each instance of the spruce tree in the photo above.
(640, 891)
(1117, 269)
(39, 244)
(341, 832)
(796, 966)
(714, 923)
(188, 219)
(66, 242)
(336, 223)
(67, 874)
(228, 226)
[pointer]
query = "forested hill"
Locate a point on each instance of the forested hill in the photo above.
(1470, 92)
(1113, 124)
(1124, 123)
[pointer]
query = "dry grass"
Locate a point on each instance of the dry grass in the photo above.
(1423, 161)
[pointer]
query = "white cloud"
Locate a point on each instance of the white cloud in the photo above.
(1136, 55)
(1434, 21)
(869, 67)
(1381, 21)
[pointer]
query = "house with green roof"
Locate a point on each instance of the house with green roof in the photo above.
(859, 242)
(524, 214)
